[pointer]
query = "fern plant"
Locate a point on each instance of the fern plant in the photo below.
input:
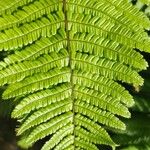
(137, 135)
(65, 65)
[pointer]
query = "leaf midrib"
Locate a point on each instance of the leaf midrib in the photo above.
(70, 64)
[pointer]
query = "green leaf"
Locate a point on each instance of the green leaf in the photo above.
(65, 68)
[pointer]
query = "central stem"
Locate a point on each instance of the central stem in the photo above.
(70, 60)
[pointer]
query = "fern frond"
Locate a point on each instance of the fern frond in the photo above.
(87, 136)
(136, 132)
(110, 69)
(37, 82)
(84, 23)
(103, 85)
(90, 43)
(56, 138)
(19, 71)
(84, 144)
(66, 62)
(97, 114)
(44, 114)
(29, 13)
(99, 99)
(8, 7)
(30, 32)
(49, 127)
(69, 140)
(94, 128)
(42, 99)
(101, 9)
(42, 46)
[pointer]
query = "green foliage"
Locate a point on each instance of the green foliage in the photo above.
(137, 133)
(65, 67)
(137, 147)
(142, 102)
